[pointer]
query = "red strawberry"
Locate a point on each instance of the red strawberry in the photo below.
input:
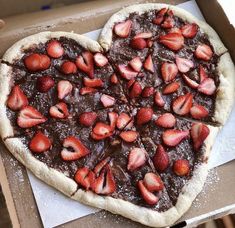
(147, 92)
(158, 100)
(207, 86)
(87, 90)
(107, 100)
(175, 30)
(29, 117)
(123, 29)
(203, 52)
(161, 159)
(123, 120)
(144, 115)
(100, 137)
(135, 90)
(129, 136)
(101, 165)
(102, 129)
(173, 41)
(198, 112)
(202, 73)
(193, 84)
(136, 158)
(149, 197)
(199, 133)
(55, 49)
(114, 79)
(136, 64)
(189, 30)
(174, 137)
(148, 64)
(87, 118)
(100, 60)
(45, 83)
(166, 120)
(17, 99)
(149, 43)
(85, 63)
(68, 67)
(169, 71)
(45, 62)
(59, 111)
(78, 149)
(126, 72)
(181, 167)
(138, 43)
(36, 62)
(183, 64)
(168, 23)
(84, 177)
(171, 88)
(113, 117)
(160, 16)
(183, 104)
(64, 88)
(93, 83)
(143, 35)
(153, 182)
(39, 143)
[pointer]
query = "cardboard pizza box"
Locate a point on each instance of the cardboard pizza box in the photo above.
(216, 200)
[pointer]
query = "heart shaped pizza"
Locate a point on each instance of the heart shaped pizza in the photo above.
(126, 124)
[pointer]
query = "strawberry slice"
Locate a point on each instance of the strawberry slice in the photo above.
(64, 88)
(84, 177)
(113, 117)
(59, 111)
(123, 29)
(129, 136)
(175, 30)
(147, 91)
(199, 133)
(153, 182)
(100, 60)
(135, 90)
(183, 104)
(173, 137)
(171, 88)
(55, 49)
(168, 23)
(166, 120)
(207, 86)
(181, 167)
(102, 129)
(29, 117)
(136, 64)
(87, 119)
(161, 159)
(39, 143)
(93, 83)
(189, 30)
(107, 100)
(114, 79)
(101, 165)
(173, 41)
(144, 115)
(193, 84)
(203, 52)
(123, 120)
(136, 158)
(158, 100)
(169, 71)
(100, 137)
(148, 64)
(183, 64)
(149, 197)
(202, 73)
(68, 67)
(87, 90)
(44, 83)
(73, 149)
(160, 16)
(17, 99)
(85, 63)
(143, 35)
(138, 43)
(126, 72)
(198, 112)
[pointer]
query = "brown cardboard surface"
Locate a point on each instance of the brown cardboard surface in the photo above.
(82, 18)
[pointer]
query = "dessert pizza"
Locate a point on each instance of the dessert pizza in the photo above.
(126, 124)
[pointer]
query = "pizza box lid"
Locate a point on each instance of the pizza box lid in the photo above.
(218, 197)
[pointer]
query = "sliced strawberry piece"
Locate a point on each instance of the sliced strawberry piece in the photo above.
(73, 149)
(181, 167)
(113, 117)
(193, 84)
(183, 104)
(59, 111)
(129, 136)
(175, 30)
(160, 16)
(123, 120)
(45, 62)
(198, 112)
(183, 64)
(171, 88)
(45, 83)
(202, 73)
(114, 79)
(149, 197)
(136, 64)
(101, 165)
(100, 137)
(84, 177)
(169, 71)
(199, 133)
(207, 86)
(39, 143)
(64, 88)
(107, 100)
(148, 64)
(147, 92)
(166, 120)
(85, 63)
(144, 35)
(100, 60)
(153, 182)
(189, 30)
(173, 41)
(203, 52)
(144, 115)
(29, 117)
(126, 72)
(87, 90)
(149, 43)
(168, 23)
(138, 43)
(93, 83)
(174, 137)
(158, 100)
(135, 90)
(136, 158)
(161, 159)
(55, 49)
(123, 29)
(68, 67)
(17, 99)
(102, 129)
(87, 118)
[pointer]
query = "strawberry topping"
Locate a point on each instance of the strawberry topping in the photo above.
(100, 60)
(136, 64)
(160, 16)
(169, 71)
(84, 177)
(39, 143)
(107, 100)
(85, 63)
(148, 64)
(113, 117)
(198, 112)
(153, 182)
(101, 165)
(183, 64)
(135, 90)
(171, 88)
(45, 83)
(64, 88)
(183, 104)
(207, 86)
(174, 41)
(174, 137)
(114, 79)
(158, 100)
(87, 90)
(138, 43)
(68, 67)
(59, 111)
(123, 29)
(203, 52)
(147, 92)
(93, 83)
(181, 167)
(123, 120)
(189, 30)
(126, 72)
(202, 73)
(129, 136)
(193, 84)
(144, 115)
(55, 49)
(143, 35)
(87, 119)
(166, 120)
(161, 159)
(136, 158)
